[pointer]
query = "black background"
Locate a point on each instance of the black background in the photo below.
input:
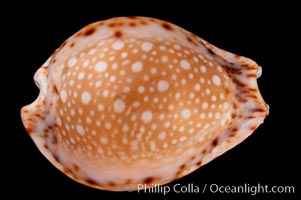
(262, 33)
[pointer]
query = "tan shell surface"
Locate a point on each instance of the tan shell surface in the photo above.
(136, 100)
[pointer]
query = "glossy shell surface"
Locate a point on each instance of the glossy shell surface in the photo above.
(136, 100)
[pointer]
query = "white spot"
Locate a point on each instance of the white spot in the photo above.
(119, 106)
(59, 121)
(183, 81)
(146, 116)
(134, 144)
(185, 64)
(197, 87)
(92, 113)
(210, 115)
(191, 130)
(92, 51)
(100, 66)
(80, 130)
(216, 80)
(202, 80)
(125, 140)
(186, 113)
(72, 112)
(137, 67)
(191, 95)
(162, 116)
(100, 107)
(145, 98)
(112, 78)
(98, 83)
(118, 45)
(162, 47)
(125, 128)
(100, 150)
(164, 59)
(141, 89)
(171, 107)
(71, 82)
(122, 72)
(190, 76)
(154, 126)
(183, 138)
(195, 59)
(86, 63)
(88, 120)
(108, 126)
(72, 61)
(146, 46)
(72, 141)
(226, 105)
(162, 85)
(182, 129)
(152, 146)
(153, 70)
(151, 89)
(81, 75)
(124, 54)
(63, 95)
(203, 115)
(203, 69)
(145, 77)
(86, 97)
(162, 135)
(174, 141)
(217, 115)
(176, 46)
(136, 104)
(221, 96)
(104, 140)
(105, 93)
(126, 89)
(205, 105)
(213, 98)
(167, 124)
(208, 91)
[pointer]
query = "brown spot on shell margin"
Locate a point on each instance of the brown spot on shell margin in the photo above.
(56, 158)
(199, 163)
(90, 31)
(91, 181)
(132, 17)
(215, 142)
(148, 180)
(118, 34)
(112, 24)
(132, 24)
(144, 23)
(166, 26)
(75, 168)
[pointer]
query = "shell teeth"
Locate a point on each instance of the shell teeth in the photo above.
(40, 78)
(259, 72)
